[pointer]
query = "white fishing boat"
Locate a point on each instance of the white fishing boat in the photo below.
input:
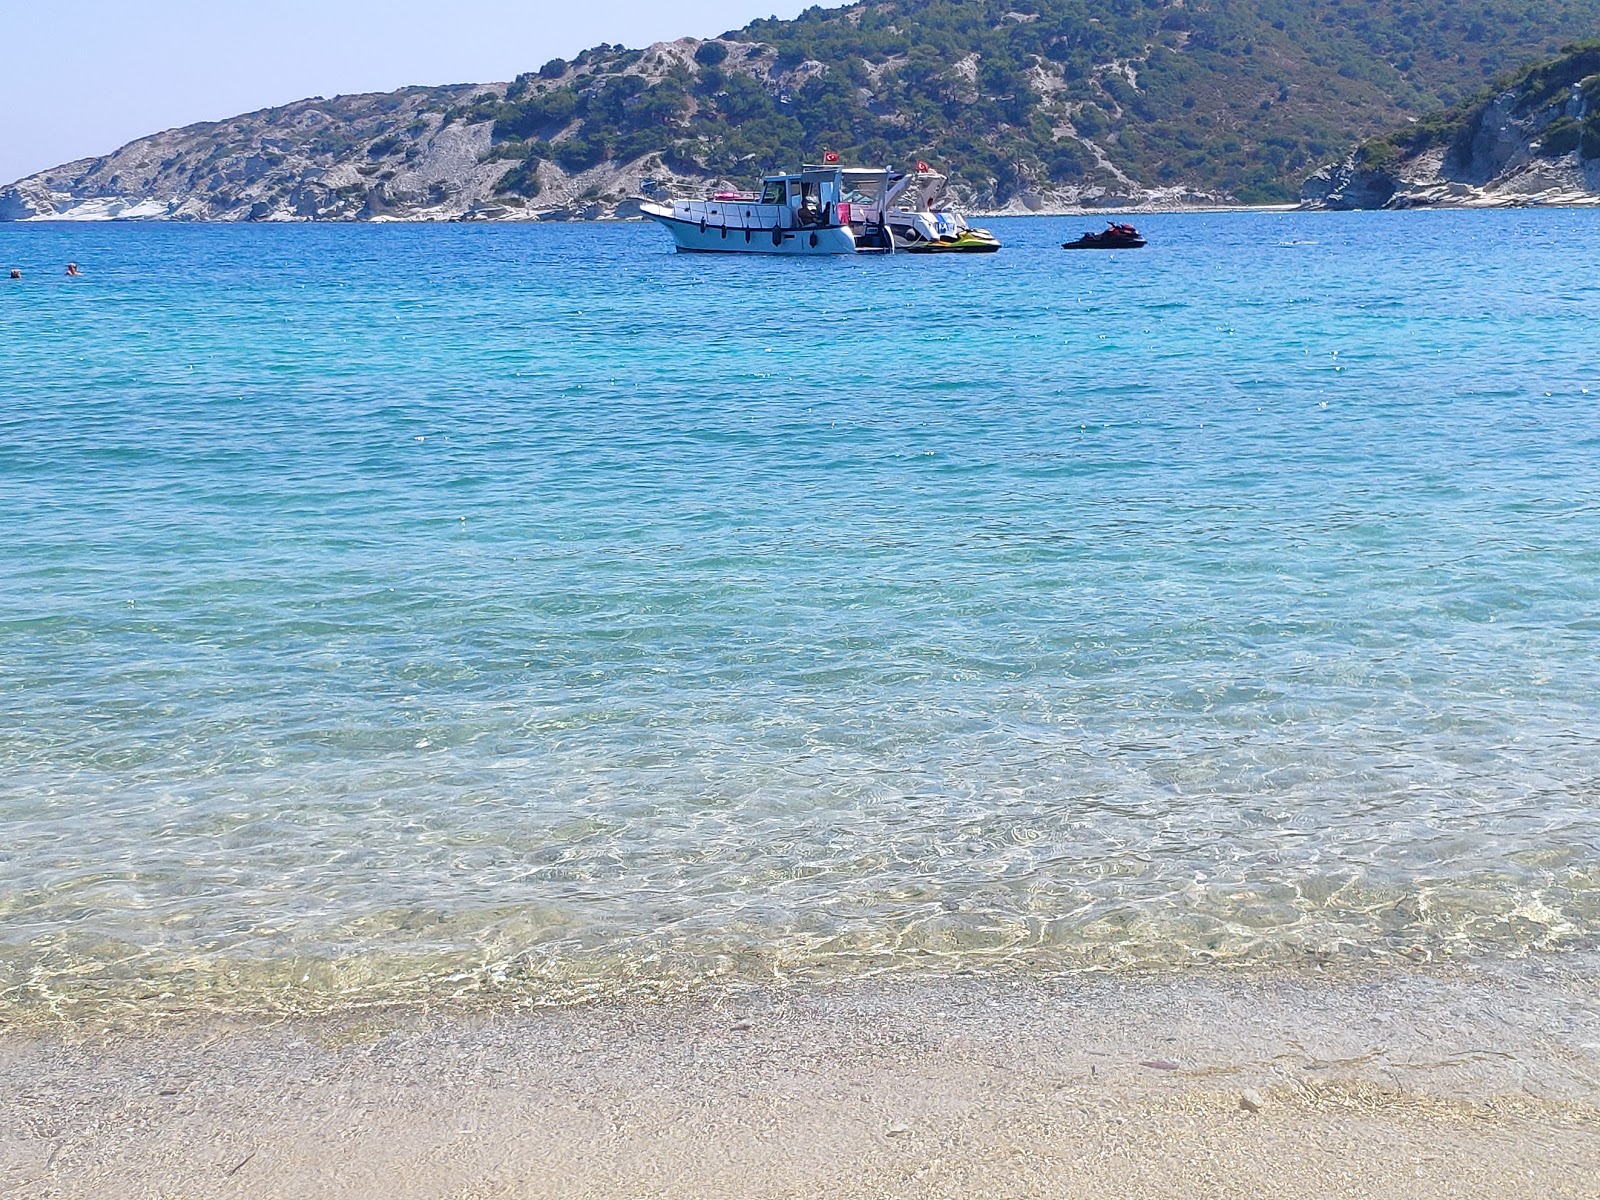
(803, 213)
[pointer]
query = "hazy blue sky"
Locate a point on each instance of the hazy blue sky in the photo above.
(81, 77)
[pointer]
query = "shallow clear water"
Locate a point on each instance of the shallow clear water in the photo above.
(391, 612)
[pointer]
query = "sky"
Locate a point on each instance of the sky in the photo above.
(82, 77)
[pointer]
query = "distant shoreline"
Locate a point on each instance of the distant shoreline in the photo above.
(986, 215)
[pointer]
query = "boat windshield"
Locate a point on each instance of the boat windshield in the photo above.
(924, 191)
(772, 192)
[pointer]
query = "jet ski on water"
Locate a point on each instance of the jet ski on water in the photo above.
(1115, 236)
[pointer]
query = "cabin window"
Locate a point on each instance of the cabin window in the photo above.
(772, 192)
(807, 211)
(863, 191)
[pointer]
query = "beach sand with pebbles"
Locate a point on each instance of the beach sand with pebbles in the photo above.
(1425, 1082)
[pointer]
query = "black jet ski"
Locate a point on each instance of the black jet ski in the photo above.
(1115, 237)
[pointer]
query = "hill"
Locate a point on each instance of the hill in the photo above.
(1531, 138)
(1026, 103)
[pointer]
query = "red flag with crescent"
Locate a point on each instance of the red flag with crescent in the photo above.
(921, 166)
(828, 156)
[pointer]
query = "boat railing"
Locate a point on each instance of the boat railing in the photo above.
(733, 216)
(746, 216)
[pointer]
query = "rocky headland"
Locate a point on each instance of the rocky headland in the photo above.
(371, 157)
(1532, 140)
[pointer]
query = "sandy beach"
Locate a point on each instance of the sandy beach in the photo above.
(1421, 1082)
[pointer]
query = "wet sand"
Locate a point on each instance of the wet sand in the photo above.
(1421, 1082)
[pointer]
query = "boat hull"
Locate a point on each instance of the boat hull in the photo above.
(1105, 244)
(694, 237)
(972, 241)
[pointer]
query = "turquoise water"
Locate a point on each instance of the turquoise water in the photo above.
(392, 612)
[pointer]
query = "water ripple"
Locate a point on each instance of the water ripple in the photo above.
(394, 613)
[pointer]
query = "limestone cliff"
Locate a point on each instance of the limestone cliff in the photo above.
(1534, 139)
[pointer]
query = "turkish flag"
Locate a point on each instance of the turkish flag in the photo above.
(829, 156)
(922, 166)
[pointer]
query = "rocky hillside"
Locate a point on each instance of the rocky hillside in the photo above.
(1530, 139)
(349, 158)
(1027, 104)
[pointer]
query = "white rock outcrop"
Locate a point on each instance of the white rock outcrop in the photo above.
(1536, 143)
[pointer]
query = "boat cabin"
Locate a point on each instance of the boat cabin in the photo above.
(811, 195)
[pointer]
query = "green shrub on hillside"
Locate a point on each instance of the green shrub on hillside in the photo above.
(581, 152)
(512, 151)
(1560, 137)
(1589, 142)
(1543, 83)
(521, 180)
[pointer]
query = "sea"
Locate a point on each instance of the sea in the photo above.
(527, 614)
